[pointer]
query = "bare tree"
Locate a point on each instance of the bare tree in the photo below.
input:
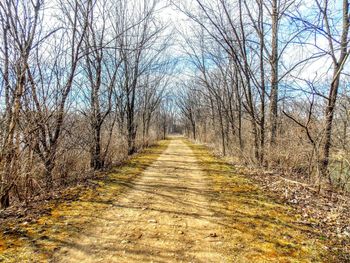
(20, 23)
(51, 87)
(101, 66)
(140, 55)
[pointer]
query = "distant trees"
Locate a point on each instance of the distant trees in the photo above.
(78, 79)
(187, 103)
(142, 53)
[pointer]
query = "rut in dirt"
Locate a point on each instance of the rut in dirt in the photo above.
(164, 217)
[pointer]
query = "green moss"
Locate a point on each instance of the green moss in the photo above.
(36, 241)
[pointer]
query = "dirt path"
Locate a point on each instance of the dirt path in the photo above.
(172, 203)
(165, 217)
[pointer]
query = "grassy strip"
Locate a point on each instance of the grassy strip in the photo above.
(37, 240)
(265, 230)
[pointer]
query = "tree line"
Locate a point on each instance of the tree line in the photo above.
(83, 85)
(269, 84)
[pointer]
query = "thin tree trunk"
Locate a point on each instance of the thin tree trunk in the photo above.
(96, 161)
(329, 124)
(222, 131)
(274, 73)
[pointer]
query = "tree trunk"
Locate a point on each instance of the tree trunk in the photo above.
(5, 200)
(49, 165)
(131, 136)
(274, 73)
(263, 88)
(222, 132)
(239, 113)
(329, 114)
(96, 161)
(164, 130)
(193, 130)
(333, 92)
(9, 155)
